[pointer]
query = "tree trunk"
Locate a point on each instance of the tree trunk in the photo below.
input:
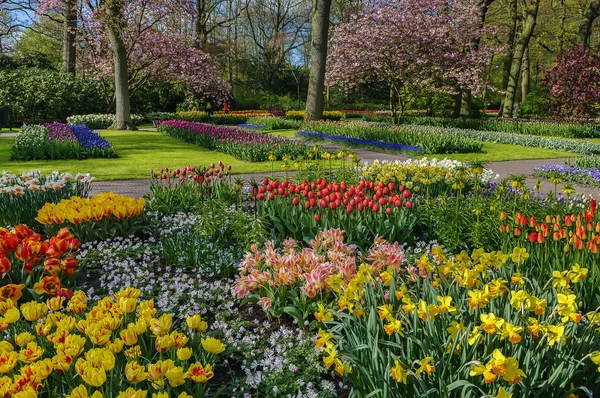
(510, 43)
(525, 75)
(316, 83)
(517, 61)
(201, 34)
(585, 26)
(466, 100)
(114, 23)
(457, 104)
(69, 27)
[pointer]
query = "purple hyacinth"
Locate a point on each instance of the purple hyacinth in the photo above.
(60, 132)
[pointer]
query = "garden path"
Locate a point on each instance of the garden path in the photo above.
(139, 188)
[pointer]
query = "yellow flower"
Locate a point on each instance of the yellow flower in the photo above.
(384, 311)
(490, 323)
(135, 372)
(323, 315)
(176, 376)
(425, 366)
(595, 357)
(212, 345)
(33, 311)
(81, 392)
(5, 346)
(199, 374)
(127, 304)
(131, 393)
(511, 332)
(560, 280)
(454, 328)
(503, 394)
(427, 312)
(160, 395)
(163, 343)
(184, 354)
(31, 353)
(55, 303)
(484, 370)
(477, 299)
(162, 325)
(519, 255)
(196, 323)
(555, 334)
(8, 360)
(324, 339)
(577, 273)
(475, 335)
(517, 278)
(399, 373)
(392, 326)
(519, 299)
(24, 338)
(445, 304)
(537, 306)
(129, 336)
(92, 376)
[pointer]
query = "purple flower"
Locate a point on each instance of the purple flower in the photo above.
(60, 132)
(88, 138)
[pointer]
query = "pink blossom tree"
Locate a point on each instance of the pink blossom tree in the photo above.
(135, 41)
(411, 45)
(574, 84)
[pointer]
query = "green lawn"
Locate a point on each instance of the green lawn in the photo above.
(139, 152)
(5, 130)
(493, 152)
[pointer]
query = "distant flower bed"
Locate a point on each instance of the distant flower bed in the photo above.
(360, 142)
(60, 141)
(429, 140)
(245, 145)
(101, 121)
(275, 123)
(251, 126)
(327, 115)
(569, 173)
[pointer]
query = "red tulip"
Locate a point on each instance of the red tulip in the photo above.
(409, 205)
(296, 201)
(389, 211)
(317, 217)
(406, 194)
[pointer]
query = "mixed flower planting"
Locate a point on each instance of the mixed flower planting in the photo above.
(60, 141)
(240, 143)
(420, 278)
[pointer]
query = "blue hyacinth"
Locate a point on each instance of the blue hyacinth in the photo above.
(88, 138)
(359, 141)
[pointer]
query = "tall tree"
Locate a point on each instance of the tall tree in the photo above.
(521, 44)
(69, 35)
(510, 45)
(585, 26)
(465, 96)
(112, 16)
(318, 59)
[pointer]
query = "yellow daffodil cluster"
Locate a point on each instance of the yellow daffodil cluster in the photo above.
(482, 301)
(58, 344)
(77, 210)
(426, 174)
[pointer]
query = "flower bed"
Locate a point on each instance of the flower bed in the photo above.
(551, 129)
(569, 173)
(60, 141)
(365, 211)
(245, 145)
(101, 121)
(389, 146)
(431, 140)
(103, 216)
(327, 115)
(22, 196)
(275, 122)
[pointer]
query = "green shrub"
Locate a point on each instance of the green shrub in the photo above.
(41, 94)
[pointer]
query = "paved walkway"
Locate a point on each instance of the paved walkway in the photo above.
(139, 188)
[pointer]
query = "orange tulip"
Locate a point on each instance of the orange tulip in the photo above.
(49, 285)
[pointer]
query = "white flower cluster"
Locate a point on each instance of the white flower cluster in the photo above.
(448, 164)
(34, 181)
